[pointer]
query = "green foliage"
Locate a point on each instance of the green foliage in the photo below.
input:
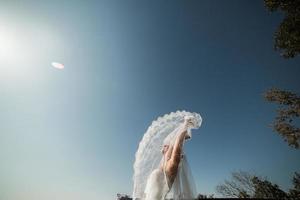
(287, 36)
(288, 111)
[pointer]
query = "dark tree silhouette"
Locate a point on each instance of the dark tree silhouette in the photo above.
(123, 197)
(240, 186)
(287, 36)
(246, 185)
(266, 190)
(295, 192)
(287, 40)
(204, 196)
(288, 111)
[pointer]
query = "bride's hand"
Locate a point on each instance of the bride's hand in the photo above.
(188, 121)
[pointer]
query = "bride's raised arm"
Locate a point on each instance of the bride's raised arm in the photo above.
(177, 149)
(174, 161)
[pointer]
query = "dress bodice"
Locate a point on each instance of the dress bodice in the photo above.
(183, 186)
(157, 187)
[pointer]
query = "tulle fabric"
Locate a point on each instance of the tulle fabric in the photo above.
(184, 186)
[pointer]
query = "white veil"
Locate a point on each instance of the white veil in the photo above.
(184, 186)
(149, 156)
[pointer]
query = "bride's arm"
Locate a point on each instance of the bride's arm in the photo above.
(177, 149)
(174, 161)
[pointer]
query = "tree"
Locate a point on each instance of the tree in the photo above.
(266, 190)
(123, 197)
(295, 192)
(288, 111)
(204, 196)
(240, 185)
(287, 36)
(245, 185)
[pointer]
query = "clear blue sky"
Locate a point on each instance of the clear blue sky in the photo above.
(72, 133)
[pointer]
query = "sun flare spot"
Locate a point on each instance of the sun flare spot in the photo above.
(58, 65)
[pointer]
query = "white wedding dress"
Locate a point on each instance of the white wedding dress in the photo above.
(183, 187)
(157, 186)
(150, 180)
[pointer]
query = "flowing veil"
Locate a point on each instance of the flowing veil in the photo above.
(149, 156)
(184, 186)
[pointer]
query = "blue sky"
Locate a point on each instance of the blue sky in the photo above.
(73, 133)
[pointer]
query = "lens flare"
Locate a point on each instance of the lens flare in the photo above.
(58, 65)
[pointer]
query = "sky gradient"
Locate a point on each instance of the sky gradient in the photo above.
(72, 134)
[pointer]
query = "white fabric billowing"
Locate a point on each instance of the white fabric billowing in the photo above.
(149, 158)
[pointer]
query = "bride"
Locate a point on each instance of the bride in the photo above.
(169, 176)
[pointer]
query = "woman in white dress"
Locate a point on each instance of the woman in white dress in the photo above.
(172, 178)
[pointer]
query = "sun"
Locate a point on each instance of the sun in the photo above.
(9, 45)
